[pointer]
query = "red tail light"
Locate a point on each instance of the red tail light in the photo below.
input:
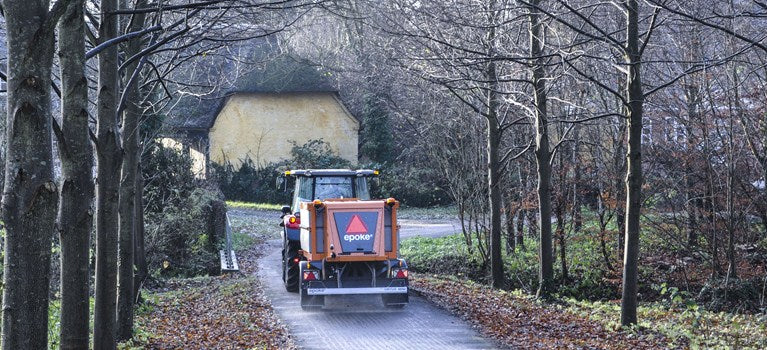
(295, 260)
(293, 222)
(399, 273)
(311, 275)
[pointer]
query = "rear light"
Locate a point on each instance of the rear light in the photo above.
(311, 275)
(399, 273)
(293, 222)
(295, 260)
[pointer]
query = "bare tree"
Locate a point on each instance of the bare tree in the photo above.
(75, 217)
(30, 195)
(131, 115)
(542, 153)
(109, 158)
(635, 106)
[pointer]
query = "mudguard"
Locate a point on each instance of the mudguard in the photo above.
(293, 234)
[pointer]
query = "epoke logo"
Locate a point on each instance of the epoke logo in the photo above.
(357, 230)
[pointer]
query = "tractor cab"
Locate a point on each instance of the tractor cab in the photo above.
(326, 184)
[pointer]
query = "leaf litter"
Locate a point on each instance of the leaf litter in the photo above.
(519, 321)
(222, 312)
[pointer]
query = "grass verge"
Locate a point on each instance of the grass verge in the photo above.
(250, 205)
(431, 213)
(684, 324)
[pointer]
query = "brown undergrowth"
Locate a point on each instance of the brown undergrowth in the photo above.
(222, 312)
(520, 322)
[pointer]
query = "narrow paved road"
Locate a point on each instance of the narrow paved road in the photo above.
(412, 228)
(362, 322)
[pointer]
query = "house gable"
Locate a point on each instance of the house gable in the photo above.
(261, 126)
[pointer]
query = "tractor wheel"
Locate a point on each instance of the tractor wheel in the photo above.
(290, 268)
(309, 302)
(394, 301)
(282, 263)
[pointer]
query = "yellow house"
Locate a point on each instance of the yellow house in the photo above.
(263, 126)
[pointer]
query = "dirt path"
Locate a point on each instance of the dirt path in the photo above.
(361, 322)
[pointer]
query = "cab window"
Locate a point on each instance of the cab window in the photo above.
(304, 192)
(333, 187)
(362, 188)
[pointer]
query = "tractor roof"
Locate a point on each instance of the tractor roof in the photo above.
(331, 172)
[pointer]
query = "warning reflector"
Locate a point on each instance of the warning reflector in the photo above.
(356, 226)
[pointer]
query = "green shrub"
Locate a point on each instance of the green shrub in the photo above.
(176, 216)
(250, 183)
(376, 133)
(168, 179)
(413, 186)
(315, 154)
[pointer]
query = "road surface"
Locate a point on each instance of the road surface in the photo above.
(362, 322)
(437, 228)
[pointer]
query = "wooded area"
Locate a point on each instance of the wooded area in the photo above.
(638, 125)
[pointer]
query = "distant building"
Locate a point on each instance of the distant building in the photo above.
(263, 126)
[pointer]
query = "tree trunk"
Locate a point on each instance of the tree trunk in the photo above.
(634, 166)
(520, 228)
(75, 216)
(577, 210)
(732, 271)
(532, 223)
(692, 99)
(510, 234)
(542, 155)
(619, 162)
(494, 177)
(690, 206)
(142, 270)
(563, 252)
(620, 220)
(130, 140)
(559, 213)
(127, 217)
(29, 203)
(493, 158)
(763, 212)
(109, 157)
(523, 187)
(710, 208)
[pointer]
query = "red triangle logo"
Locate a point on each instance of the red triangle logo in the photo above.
(356, 226)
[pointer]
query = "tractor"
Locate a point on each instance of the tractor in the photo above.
(338, 241)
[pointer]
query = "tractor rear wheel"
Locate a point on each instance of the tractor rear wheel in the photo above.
(289, 266)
